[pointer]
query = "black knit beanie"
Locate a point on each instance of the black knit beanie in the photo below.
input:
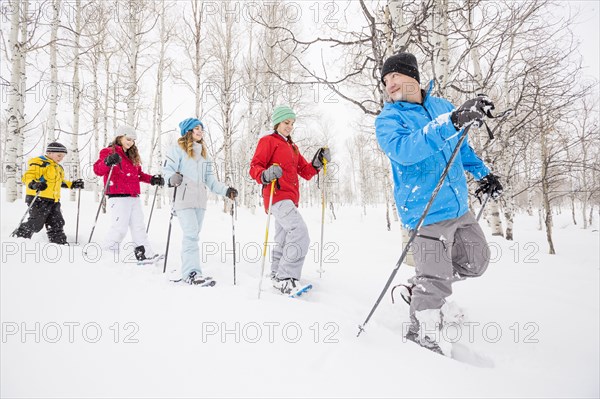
(56, 147)
(404, 63)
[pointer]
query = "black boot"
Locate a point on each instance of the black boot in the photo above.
(140, 252)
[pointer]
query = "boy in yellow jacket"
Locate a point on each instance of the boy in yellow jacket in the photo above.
(45, 176)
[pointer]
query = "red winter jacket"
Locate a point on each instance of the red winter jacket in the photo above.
(126, 176)
(273, 149)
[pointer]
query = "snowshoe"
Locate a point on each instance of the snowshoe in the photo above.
(197, 279)
(425, 342)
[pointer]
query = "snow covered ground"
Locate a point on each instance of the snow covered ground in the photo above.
(77, 325)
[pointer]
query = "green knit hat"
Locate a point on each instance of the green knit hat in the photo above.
(282, 113)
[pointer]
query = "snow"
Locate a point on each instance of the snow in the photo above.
(533, 318)
(440, 120)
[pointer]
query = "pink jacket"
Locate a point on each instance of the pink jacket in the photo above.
(126, 176)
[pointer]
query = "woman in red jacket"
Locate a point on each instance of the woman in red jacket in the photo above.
(277, 157)
(124, 190)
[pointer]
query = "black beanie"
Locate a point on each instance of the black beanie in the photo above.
(404, 63)
(56, 147)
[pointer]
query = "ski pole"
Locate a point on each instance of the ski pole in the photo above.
(262, 268)
(487, 197)
(233, 206)
(37, 194)
(321, 271)
(77, 222)
(101, 201)
(152, 209)
(170, 225)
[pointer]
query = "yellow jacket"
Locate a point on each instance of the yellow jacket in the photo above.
(45, 169)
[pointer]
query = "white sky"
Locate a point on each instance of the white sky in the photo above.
(588, 31)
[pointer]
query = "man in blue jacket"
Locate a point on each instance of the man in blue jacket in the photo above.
(418, 132)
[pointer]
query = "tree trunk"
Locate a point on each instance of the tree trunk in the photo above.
(197, 10)
(95, 119)
(53, 100)
(397, 22)
(156, 146)
(572, 196)
(23, 86)
(509, 209)
(441, 54)
(14, 97)
(134, 48)
(74, 153)
(546, 190)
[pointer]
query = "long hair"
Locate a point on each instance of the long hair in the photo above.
(132, 153)
(289, 139)
(186, 143)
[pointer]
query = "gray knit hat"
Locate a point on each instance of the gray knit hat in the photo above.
(56, 147)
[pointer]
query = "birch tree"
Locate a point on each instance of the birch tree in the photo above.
(226, 77)
(53, 97)
(76, 90)
(158, 113)
(15, 97)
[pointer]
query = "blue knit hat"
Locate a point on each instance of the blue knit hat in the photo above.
(188, 124)
(282, 113)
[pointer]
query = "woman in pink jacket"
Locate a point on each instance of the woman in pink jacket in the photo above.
(123, 192)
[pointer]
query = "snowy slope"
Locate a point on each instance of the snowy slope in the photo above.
(537, 334)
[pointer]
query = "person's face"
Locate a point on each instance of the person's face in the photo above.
(127, 142)
(197, 133)
(56, 156)
(285, 128)
(400, 87)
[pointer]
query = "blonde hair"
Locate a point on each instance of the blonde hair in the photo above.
(132, 153)
(186, 143)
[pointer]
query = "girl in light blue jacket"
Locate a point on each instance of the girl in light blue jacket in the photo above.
(188, 169)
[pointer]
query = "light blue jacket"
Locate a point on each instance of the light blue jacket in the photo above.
(198, 174)
(419, 140)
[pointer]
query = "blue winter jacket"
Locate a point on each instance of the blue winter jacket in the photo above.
(419, 140)
(198, 174)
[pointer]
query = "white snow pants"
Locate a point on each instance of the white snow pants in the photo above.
(126, 212)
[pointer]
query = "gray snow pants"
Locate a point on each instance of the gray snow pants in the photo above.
(464, 253)
(291, 240)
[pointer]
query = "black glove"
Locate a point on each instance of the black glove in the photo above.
(472, 112)
(489, 185)
(271, 173)
(176, 180)
(322, 153)
(112, 159)
(231, 193)
(157, 180)
(37, 185)
(77, 184)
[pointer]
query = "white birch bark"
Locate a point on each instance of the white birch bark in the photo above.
(74, 150)
(24, 23)
(441, 54)
(14, 97)
(53, 99)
